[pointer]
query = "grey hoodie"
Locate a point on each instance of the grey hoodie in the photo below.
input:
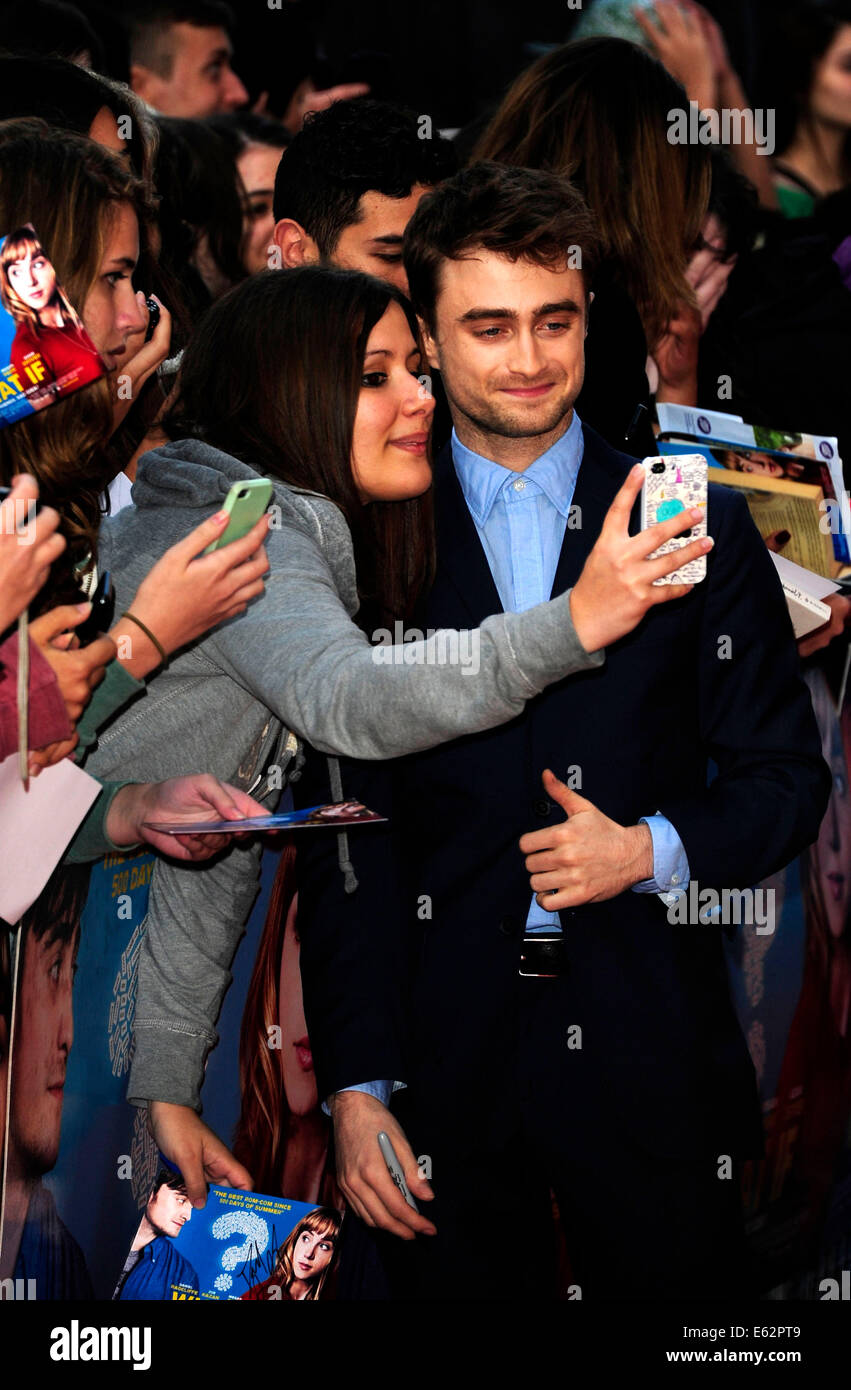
(293, 666)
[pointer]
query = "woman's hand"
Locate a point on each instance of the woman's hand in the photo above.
(186, 593)
(196, 798)
(39, 758)
(199, 1154)
(77, 670)
(676, 357)
(615, 588)
(821, 637)
(142, 361)
(29, 544)
(683, 45)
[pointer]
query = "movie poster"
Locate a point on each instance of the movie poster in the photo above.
(45, 352)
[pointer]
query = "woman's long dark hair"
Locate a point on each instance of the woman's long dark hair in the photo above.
(798, 39)
(273, 376)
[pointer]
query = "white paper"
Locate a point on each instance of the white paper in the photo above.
(813, 584)
(36, 827)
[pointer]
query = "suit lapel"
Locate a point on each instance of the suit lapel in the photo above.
(601, 474)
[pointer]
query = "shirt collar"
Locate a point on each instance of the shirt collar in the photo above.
(555, 473)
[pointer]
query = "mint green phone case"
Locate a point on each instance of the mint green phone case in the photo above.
(246, 502)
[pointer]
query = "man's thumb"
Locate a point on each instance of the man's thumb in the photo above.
(569, 800)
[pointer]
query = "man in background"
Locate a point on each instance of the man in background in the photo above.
(180, 58)
(350, 183)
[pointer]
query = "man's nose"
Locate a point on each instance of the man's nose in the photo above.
(525, 356)
(234, 93)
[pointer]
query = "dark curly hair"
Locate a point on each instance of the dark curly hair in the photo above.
(355, 147)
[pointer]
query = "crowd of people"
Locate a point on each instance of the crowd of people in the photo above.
(441, 336)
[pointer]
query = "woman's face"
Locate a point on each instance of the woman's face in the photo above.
(830, 93)
(312, 1254)
(296, 1056)
(33, 279)
(762, 463)
(112, 311)
(257, 166)
(393, 421)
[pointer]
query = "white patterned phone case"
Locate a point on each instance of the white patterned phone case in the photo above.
(675, 483)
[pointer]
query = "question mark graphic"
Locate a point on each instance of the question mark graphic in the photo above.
(244, 1223)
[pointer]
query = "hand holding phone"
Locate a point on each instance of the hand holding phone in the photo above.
(245, 504)
(676, 483)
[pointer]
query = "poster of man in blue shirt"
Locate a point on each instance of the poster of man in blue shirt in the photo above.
(154, 1269)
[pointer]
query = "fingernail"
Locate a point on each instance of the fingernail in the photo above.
(708, 543)
(220, 517)
(696, 513)
(83, 607)
(783, 537)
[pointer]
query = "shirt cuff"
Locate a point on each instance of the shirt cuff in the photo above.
(670, 862)
(382, 1090)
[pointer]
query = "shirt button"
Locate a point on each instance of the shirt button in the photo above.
(508, 926)
(541, 807)
(675, 878)
(519, 485)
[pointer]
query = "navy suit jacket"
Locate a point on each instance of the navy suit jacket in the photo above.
(415, 975)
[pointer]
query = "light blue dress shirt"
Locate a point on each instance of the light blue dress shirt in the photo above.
(521, 519)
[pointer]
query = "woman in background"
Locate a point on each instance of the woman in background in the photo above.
(257, 144)
(808, 78)
(597, 112)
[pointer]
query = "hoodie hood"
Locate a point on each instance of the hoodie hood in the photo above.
(187, 473)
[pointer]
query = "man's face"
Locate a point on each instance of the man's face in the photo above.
(42, 1044)
(374, 243)
(168, 1210)
(509, 343)
(201, 82)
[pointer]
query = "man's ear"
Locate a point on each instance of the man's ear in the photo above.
(295, 246)
(429, 344)
(145, 83)
(589, 301)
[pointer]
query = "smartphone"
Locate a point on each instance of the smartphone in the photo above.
(153, 309)
(245, 504)
(674, 483)
(103, 610)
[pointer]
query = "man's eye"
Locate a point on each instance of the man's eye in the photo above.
(256, 210)
(491, 332)
(389, 258)
(374, 379)
(556, 324)
(113, 277)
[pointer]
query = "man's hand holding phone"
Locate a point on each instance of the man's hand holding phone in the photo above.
(362, 1173)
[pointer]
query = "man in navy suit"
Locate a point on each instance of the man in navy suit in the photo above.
(512, 995)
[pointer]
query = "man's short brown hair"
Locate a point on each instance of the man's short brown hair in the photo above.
(524, 214)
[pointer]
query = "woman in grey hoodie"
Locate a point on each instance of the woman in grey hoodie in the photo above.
(310, 377)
